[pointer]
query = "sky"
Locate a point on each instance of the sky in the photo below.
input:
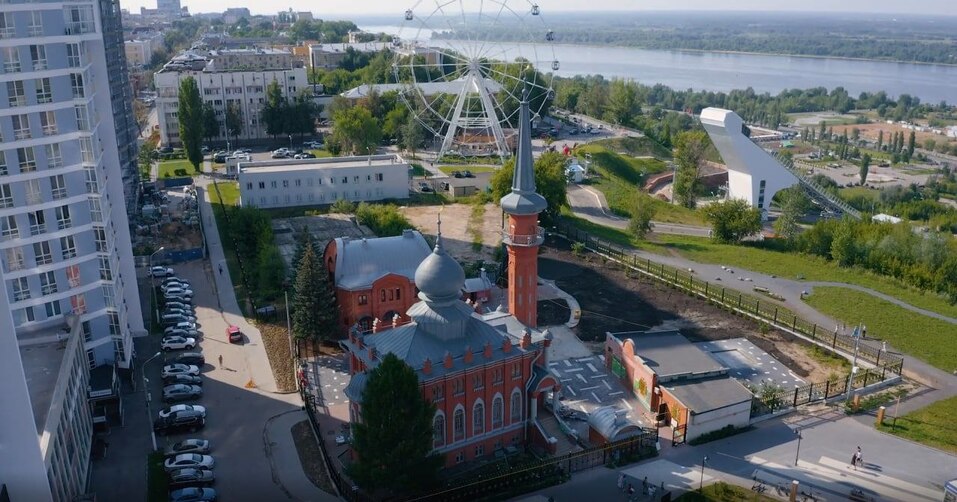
(327, 9)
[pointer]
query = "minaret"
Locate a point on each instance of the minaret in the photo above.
(523, 236)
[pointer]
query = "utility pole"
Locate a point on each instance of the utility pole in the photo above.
(149, 411)
(850, 378)
(701, 482)
(798, 454)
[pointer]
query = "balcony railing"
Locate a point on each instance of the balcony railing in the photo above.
(535, 239)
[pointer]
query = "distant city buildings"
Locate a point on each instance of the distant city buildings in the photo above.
(139, 50)
(234, 14)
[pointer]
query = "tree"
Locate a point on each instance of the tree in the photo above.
(394, 438)
(550, 182)
(911, 144)
(190, 116)
(643, 211)
(865, 164)
(880, 140)
(210, 124)
(732, 220)
(356, 130)
(794, 203)
(234, 120)
(271, 268)
(412, 134)
(690, 148)
(622, 102)
(272, 111)
(313, 300)
(843, 246)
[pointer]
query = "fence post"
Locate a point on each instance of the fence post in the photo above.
(794, 402)
(676, 275)
(739, 300)
(794, 323)
(884, 371)
(634, 260)
(722, 295)
(827, 389)
(775, 315)
(814, 332)
(757, 307)
(706, 284)
(878, 362)
(691, 283)
(834, 341)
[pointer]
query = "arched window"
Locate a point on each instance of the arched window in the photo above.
(478, 418)
(497, 411)
(438, 430)
(365, 324)
(516, 406)
(458, 424)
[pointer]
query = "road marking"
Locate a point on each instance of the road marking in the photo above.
(583, 389)
(592, 368)
(570, 389)
(606, 384)
(618, 393)
(556, 373)
(567, 363)
(581, 377)
(630, 407)
(596, 397)
(574, 370)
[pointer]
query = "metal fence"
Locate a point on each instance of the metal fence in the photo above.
(743, 303)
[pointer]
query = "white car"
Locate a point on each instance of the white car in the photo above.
(190, 460)
(161, 272)
(166, 412)
(173, 278)
(177, 343)
(178, 298)
(179, 369)
(178, 291)
(185, 333)
(174, 284)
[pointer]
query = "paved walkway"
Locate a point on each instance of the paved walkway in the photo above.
(591, 205)
(287, 471)
(254, 350)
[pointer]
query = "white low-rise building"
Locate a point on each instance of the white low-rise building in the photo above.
(310, 182)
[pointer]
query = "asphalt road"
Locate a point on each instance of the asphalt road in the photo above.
(590, 204)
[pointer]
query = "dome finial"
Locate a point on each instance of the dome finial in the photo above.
(438, 232)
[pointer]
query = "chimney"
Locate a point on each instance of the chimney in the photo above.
(507, 345)
(487, 352)
(395, 320)
(468, 354)
(375, 325)
(448, 360)
(427, 366)
(526, 339)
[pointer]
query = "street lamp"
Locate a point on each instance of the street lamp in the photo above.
(153, 287)
(798, 453)
(850, 378)
(701, 482)
(149, 412)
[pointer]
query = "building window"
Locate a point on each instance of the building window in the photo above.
(345, 180)
(7, 29)
(285, 183)
(273, 184)
(48, 127)
(99, 237)
(438, 392)
(73, 55)
(262, 185)
(52, 308)
(381, 295)
(3, 163)
(6, 196)
(114, 320)
(73, 275)
(37, 222)
(438, 430)
(63, 220)
(478, 418)
(21, 127)
(378, 177)
(42, 252)
(47, 283)
(82, 118)
(8, 227)
(58, 185)
(119, 350)
(478, 381)
(497, 376)
(76, 83)
(355, 179)
(38, 53)
(96, 214)
(21, 289)
(458, 386)
(479, 450)
(14, 258)
(249, 185)
(24, 315)
(78, 304)
(68, 247)
(11, 59)
(459, 458)
(16, 96)
(28, 159)
(516, 370)
(106, 272)
(515, 407)
(363, 300)
(35, 28)
(298, 183)
(398, 293)
(497, 405)
(458, 425)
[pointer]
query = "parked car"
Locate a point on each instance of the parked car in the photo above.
(424, 187)
(193, 358)
(177, 343)
(266, 311)
(468, 174)
(189, 477)
(445, 185)
(193, 494)
(305, 155)
(190, 460)
(457, 174)
(179, 305)
(161, 272)
(177, 320)
(234, 334)
(182, 312)
(174, 284)
(178, 298)
(175, 290)
(200, 446)
(188, 333)
(179, 369)
(174, 425)
(184, 409)
(181, 392)
(281, 153)
(183, 379)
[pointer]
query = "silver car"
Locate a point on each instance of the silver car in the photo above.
(189, 460)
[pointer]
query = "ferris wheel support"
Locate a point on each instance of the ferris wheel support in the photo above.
(475, 83)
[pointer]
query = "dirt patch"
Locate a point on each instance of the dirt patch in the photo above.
(310, 457)
(280, 360)
(176, 235)
(457, 233)
(614, 299)
(872, 131)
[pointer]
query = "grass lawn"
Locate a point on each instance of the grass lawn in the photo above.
(619, 237)
(638, 147)
(229, 191)
(792, 265)
(852, 192)
(932, 425)
(418, 170)
(157, 482)
(723, 492)
(475, 169)
(320, 154)
(175, 169)
(915, 334)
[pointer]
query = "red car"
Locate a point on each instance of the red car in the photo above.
(235, 336)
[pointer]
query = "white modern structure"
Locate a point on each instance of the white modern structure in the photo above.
(309, 182)
(754, 174)
(223, 79)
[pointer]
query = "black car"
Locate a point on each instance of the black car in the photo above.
(195, 358)
(177, 424)
(457, 174)
(468, 174)
(183, 379)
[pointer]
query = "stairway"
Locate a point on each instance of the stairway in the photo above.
(552, 428)
(815, 191)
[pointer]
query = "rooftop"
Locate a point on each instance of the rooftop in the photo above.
(286, 165)
(360, 262)
(427, 88)
(671, 355)
(702, 396)
(41, 367)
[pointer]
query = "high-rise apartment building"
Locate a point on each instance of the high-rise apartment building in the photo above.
(69, 301)
(171, 8)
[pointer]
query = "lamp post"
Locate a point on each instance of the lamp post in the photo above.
(701, 482)
(798, 453)
(149, 411)
(153, 288)
(850, 378)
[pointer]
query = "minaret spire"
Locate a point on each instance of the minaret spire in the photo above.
(523, 199)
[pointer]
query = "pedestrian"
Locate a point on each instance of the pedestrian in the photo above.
(631, 491)
(860, 456)
(644, 485)
(621, 481)
(220, 269)
(220, 360)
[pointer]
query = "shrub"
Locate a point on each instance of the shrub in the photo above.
(384, 220)
(578, 248)
(343, 206)
(726, 431)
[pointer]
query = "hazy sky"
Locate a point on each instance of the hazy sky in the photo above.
(329, 8)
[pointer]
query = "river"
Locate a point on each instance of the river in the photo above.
(715, 71)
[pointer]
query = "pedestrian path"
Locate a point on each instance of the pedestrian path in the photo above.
(284, 461)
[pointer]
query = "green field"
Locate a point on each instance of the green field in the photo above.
(320, 154)
(229, 191)
(923, 337)
(175, 169)
(637, 147)
(475, 169)
(723, 492)
(932, 425)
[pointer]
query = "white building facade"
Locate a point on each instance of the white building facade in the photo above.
(140, 51)
(310, 182)
(244, 88)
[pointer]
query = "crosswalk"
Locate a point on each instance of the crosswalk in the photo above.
(832, 479)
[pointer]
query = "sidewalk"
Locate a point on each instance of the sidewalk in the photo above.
(284, 459)
(256, 361)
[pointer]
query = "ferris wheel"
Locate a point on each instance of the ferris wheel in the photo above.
(465, 66)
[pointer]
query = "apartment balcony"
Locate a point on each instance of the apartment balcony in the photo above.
(520, 240)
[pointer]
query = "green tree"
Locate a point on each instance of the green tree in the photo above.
(313, 300)
(622, 102)
(690, 149)
(843, 245)
(412, 135)
(356, 130)
(865, 165)
(210, 124)
(272, 111)
(272, 271)
(234, 120)
(550, 182)
(911, 144)
(880, 140)
(394, 438)
(643, 211)
(732, 220)
(794, 203)
(190, 116)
